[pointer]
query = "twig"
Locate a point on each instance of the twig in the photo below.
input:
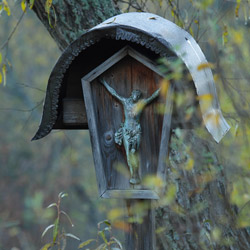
(13, 31)
(22, 110)
(29, 86)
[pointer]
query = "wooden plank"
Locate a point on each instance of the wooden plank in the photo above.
(74, 112)
(166, 130)
(96, 148)
(141, 235)
(130, 194)
(106, 65)
(145, 61)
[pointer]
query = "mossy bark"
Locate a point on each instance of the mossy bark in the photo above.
(69, 19)
(200, 215)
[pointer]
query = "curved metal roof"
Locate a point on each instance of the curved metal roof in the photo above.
(155, 33)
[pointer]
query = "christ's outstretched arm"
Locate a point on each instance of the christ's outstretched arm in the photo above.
(153, 96)
(111, 90)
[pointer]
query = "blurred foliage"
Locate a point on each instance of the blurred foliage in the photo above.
(203, 178)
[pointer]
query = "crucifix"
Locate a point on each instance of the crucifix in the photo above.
(129, 132)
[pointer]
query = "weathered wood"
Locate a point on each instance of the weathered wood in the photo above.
(141, 235)
(74, 112)
(124, 71)
(127, 50)
(126, 75)
(166, 131)
(131, 194)
(96, 147)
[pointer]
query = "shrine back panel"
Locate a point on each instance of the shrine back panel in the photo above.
(124, 77)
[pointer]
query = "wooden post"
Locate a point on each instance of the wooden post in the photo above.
(141, 235)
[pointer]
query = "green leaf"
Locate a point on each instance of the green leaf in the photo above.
(1, 78)
(48, 5)
(47, 246)
(103, 236)
(32, 3)
(1, 58)
(85, 243)
(52, 205)
(72, 236)
(23, 5)
(102, 247)
(46, 229)
(62, 194)
(117, 242)
(70, 221)
(55, 230)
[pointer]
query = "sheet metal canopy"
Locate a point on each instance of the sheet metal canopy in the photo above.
(185, 47)
(160, 32)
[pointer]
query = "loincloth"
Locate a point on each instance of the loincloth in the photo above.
(131, 136)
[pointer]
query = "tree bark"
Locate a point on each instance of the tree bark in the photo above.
(69, 19)
(198, 215)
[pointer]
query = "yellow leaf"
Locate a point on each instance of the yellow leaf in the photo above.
(6, 7)
(216, 234)
(139, 106)
(4, 69)
(237, 37)
(85, 243)
(237, 8)
(1, 78)
(225, 35)
(164, 87)
(205, 65)
(216, 77)
(47, 246)
(153, 181)
(48, 5)
(1, 58)
(190, 164)
(205, 97)
(23, 5)
(115, 213)
(124, 226)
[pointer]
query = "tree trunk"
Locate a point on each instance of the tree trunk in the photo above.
(197, 211)
(69, 19)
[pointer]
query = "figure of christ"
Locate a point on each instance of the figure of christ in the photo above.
(129, 132)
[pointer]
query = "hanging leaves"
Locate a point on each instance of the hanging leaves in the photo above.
(4, 69)
(48, 5)
(205, 65)
(237, 8)
(225, 35)
(47, 229)
(6, 7)
(24, 5)
(32, 3)
(85, 243)
(47, 246)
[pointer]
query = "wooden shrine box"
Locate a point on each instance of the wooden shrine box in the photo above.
(124, 51)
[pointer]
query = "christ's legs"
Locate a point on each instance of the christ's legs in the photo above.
(133, 163)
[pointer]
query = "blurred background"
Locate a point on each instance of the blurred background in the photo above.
(32, 174)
